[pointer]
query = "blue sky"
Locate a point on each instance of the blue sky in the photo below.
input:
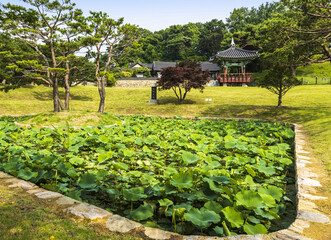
(156, 15)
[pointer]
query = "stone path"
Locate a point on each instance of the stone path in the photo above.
(307, 210)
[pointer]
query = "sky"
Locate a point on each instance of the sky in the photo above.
(156, 15)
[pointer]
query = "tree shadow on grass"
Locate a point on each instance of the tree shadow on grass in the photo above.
(173, 100)
(48, 96)
(271, 113)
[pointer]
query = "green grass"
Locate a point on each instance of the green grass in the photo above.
(320, 70)
(22, 217)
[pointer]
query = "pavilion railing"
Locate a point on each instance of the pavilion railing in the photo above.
(235, 78)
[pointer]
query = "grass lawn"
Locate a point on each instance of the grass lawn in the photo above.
(309, 106)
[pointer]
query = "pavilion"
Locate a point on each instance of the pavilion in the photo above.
(236, 59)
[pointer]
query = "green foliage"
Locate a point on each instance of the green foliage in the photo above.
(182, 78)
(279, 81)
(176, 174)
(142, 70)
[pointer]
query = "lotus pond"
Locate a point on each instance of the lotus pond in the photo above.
(209, 177)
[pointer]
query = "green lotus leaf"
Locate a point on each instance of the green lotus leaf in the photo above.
(250, 170)
(179, 212)
(268, 200)
(219, 231)
(26, 174)
(170, 171)
(253, 219)
(165, 202)
(134, 194)
(249, 180)
(182, 180)
(273, 191)
(102, 157)
(128, 153)
(285, 161)
(143, 212)
(87, 180)
(202, 218)
(120, 166)
(233, 216)
(255, 229)
(266, 170)
(220, 179)
(189, 158)
(249, 199)
(76, 161)
(213, 206)
(71, 172)
(266, 214)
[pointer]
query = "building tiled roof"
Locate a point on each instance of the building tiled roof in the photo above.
(212, 67)
(158, 66)
(237, 53)
(148, 65)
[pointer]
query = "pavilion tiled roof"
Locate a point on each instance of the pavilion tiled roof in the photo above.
(237, 53)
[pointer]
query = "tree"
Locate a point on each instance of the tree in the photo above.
(313, 29)
(211, 36)
(182, 78)
(279, 80)
(69, 43)
(105, 31)
(35, 26)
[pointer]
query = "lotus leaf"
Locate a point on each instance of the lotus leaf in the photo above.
(189, 158)
(266, 170)
(182, 180)
(202, 218)
(213, 206)
(257, 229)
(76, 161)
(249, 199)
(266, 214)
(219, 231)
(233, 216)
(120, 166)
(27, 174)
(134, 194)
(87, 180)
(268, 200)
(165, 202)
(143, 212)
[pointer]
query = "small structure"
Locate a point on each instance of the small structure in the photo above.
(235, 58)
(153, 94)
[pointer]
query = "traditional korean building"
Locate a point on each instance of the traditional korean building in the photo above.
(235, 59)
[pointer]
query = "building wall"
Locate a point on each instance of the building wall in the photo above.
(135, 83)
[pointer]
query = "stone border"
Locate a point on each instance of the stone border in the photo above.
(306, 184)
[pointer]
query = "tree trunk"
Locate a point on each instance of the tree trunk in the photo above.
(67, 86)
(293, 70)
(279, 100)
(102, 93)
(56, 96)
